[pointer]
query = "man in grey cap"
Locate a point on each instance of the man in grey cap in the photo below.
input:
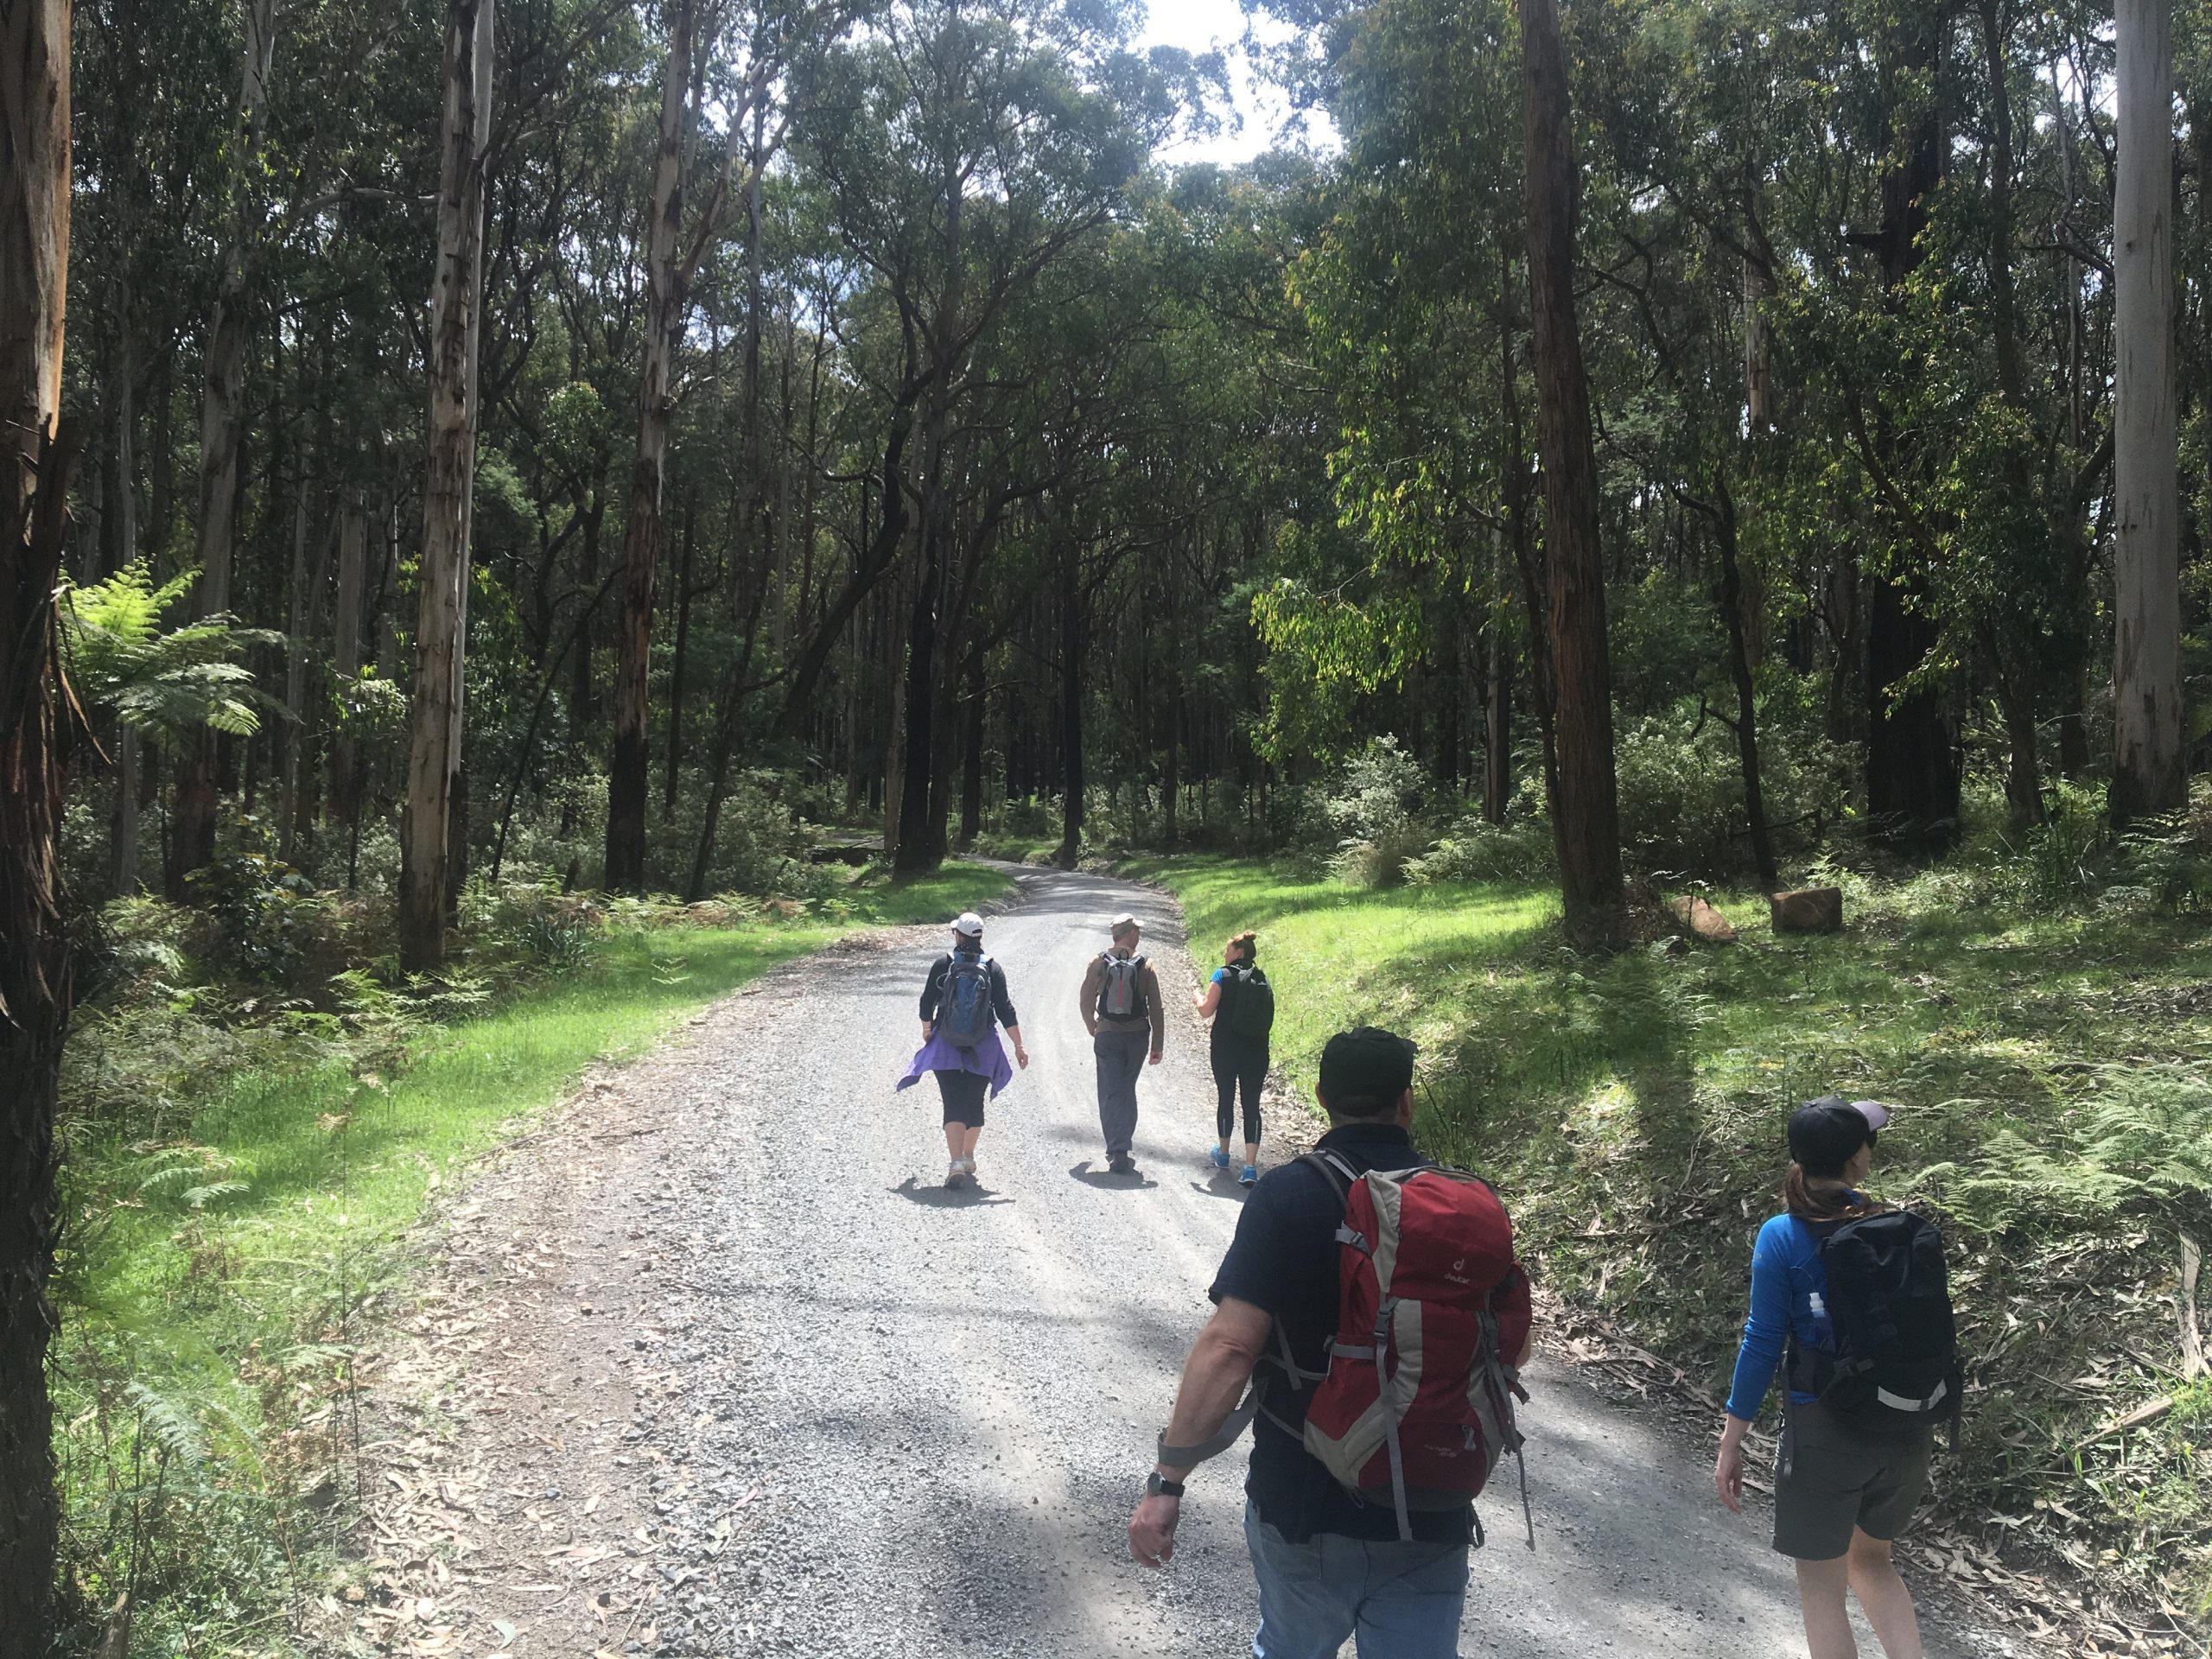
(1122, 1010)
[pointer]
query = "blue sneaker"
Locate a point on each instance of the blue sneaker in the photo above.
(1251, 1173)
(1220, 1158)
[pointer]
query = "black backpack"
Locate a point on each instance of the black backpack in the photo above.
(1896, 1364)
(1248, 1002)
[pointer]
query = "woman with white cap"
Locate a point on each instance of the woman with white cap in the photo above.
(1842, 1492)
(964, 1002)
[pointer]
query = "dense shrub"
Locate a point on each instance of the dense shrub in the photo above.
(1682, 790)
(1474, 849)
(268, 918)
(1377, 811)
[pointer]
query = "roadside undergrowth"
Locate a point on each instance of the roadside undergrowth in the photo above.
(2055, 1073)
(244, 1165)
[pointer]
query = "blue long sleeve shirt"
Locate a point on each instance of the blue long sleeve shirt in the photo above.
(1788, 1294)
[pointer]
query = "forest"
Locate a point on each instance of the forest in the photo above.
(474, 466)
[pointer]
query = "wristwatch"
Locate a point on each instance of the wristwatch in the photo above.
(1155, 1486)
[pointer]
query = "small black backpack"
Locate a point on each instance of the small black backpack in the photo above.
(1896, 1364)
(1248, 1002)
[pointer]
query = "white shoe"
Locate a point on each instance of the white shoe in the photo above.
(956, 1173)
(969, 1164)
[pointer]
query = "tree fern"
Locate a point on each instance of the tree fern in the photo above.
(164, 683)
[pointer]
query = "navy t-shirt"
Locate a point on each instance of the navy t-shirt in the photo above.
(1283, 1260)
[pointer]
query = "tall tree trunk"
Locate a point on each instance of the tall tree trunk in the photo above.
(122, 521)
(34, 957)
(1731, 600)
(2016, 681)
(626, 783)
(2149, 773)
(352, 533)
(303, 592)
(680, 665)
(1912, 761)
(222, 419)
(1498, 708)
(435, 752)
(1073, 646)
(913, 853)
(1586, 827)
(971, 776)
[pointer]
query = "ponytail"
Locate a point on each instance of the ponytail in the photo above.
(1821, 1197)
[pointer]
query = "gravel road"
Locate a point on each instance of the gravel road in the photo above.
(716, 1366)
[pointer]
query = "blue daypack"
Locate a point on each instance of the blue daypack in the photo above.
(964, 1014)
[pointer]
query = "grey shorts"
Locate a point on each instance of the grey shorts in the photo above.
(1831, 1478)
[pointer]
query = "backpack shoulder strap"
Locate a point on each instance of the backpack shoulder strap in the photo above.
(1334, 1169)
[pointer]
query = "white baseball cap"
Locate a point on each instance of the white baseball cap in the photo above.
(970, 925)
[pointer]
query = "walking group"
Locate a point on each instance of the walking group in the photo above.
(965, 1004)
(1372, 1318)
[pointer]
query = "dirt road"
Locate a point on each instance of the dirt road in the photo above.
(716, 1366)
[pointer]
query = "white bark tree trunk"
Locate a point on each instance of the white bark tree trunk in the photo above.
(435, 753)
(352, 535)
(665, 305)
(222, 413)
(2148, 774)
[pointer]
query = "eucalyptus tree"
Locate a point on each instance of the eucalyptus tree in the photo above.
(1585, 822)
(448, 494)
(36, 450)
(968, 148)
(2150, 772)
(1413, 294)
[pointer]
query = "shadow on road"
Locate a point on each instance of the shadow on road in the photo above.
(1222, 1185)
(971, 1197)
(1107, 1181)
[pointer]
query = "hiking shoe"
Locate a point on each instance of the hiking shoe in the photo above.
(1220, 1158)
(1121, 1163)
(1250, 1174)
(969, 1164)
(956, 1173)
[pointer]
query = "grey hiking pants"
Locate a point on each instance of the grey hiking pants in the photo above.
(1121, 1052)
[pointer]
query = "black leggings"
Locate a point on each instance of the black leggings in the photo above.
(963, 1093)
(1239, 1065)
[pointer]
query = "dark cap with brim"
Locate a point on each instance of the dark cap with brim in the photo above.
(1366, 1062)
(1824, 1133)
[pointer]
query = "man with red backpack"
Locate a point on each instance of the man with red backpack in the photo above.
(1373, 1318)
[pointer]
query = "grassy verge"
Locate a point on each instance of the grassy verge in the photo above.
(216, 1274)
(2056, 1076)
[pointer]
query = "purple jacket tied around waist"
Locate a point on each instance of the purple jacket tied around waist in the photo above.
(987, 1059)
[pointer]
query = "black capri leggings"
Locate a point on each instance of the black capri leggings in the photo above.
(963, 1093)
(1239, 1066)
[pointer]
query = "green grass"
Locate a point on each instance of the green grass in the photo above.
(2055, 1073)
(212, 1310)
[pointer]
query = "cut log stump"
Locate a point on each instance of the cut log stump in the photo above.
(1705, 924)
(1809, 910)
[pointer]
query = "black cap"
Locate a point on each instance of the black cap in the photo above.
(1366, 1062)
(1824, 1134)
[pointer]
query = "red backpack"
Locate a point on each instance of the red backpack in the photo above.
(1416, 1406)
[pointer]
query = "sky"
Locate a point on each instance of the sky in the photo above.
(1196, 25)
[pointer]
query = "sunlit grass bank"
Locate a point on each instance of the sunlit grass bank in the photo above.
(217, 1273)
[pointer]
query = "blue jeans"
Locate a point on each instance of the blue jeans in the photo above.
(1404, 1599)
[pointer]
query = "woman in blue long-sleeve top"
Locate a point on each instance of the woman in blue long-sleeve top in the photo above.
(1840, 1494)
